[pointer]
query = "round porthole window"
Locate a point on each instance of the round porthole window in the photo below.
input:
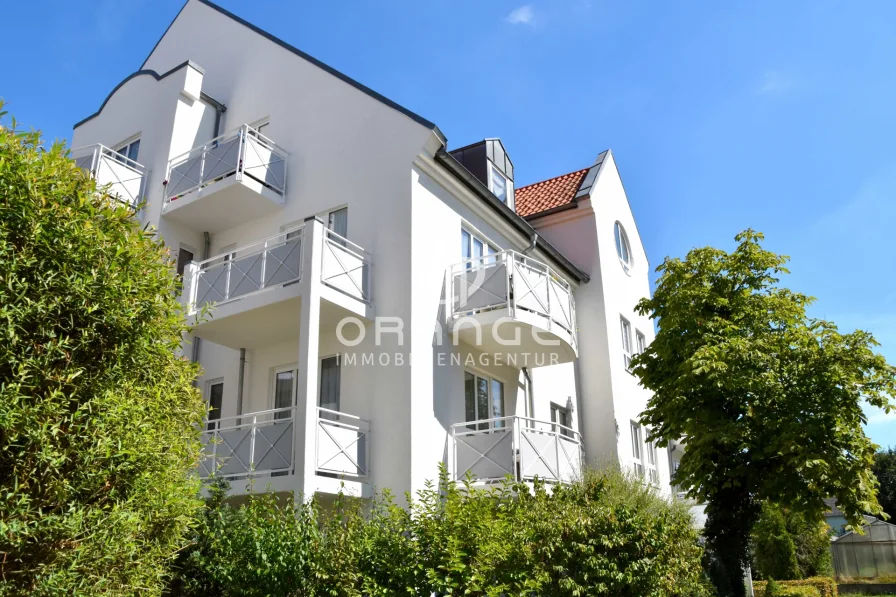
(623, 249)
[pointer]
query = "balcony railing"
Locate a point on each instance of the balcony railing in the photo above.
(241, 153)
(343, 448)
(254, 443)
(345, 266)
(490, 450)
(512, 281)
(271, 262)
(125, 177)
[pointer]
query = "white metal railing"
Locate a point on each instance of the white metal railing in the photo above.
(125, 177)
(512, 281)
(241, 153)
(274, 261)
(345, 266)
(342, 444)
(253, 443)
(490, 450)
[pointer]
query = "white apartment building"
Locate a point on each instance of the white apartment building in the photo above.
(369, 303)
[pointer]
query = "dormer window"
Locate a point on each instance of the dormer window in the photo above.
(498, 184)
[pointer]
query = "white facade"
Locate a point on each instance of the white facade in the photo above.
(251, 150)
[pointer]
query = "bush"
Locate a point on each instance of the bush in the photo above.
(605, 535)
(790, 545)
(98, 417)
(825, 586)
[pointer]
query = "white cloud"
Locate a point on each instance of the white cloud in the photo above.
(523, 15)
(774, 82)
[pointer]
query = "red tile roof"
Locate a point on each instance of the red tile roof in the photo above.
(548, 194)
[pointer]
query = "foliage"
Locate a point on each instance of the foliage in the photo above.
(825, 586)
(98, 416)
(884, 468)
(767, 400)
(774, 551)
(606, 535)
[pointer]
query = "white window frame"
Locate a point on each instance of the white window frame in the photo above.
(620, 239)
(477, 416)
(651, 461)
(126, 145)
(207, 396)
(259, 124)
(320, 370)
(640, 342)
(488, 247)
(185, 247)
(272, 389)
(508, 184)
(557, 408)
(635, 432)
(625, 327)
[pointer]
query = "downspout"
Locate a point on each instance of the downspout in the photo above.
(239, 383)
(533, 241)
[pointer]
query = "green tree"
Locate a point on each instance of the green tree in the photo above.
(99, 422)
(774, 551)
(885, 470)
(767, 400)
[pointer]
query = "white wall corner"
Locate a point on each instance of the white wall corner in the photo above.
(193, 81)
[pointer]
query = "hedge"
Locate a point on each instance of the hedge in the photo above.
(826, 586)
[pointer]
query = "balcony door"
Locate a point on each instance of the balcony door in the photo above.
(284, 391)
(329, 386)
(483, 399)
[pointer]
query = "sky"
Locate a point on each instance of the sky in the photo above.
(776, 116)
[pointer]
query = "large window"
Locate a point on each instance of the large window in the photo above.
(626, 329)
(129, 150)
(284, 391)
(623, 249)
(483, 399)
(473, 249)
(215, 397)
(562, 417)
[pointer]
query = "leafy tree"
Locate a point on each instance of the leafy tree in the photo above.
(767, 400)
(774, 551)
(98, 418)
(885, 470)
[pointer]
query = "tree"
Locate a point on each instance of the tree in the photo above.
(885, 470)
(99, 422)
(767, 400)
(789, 545)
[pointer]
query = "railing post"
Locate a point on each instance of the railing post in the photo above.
(201, 167)
(452, 455)
(516, 455)
(252, 443)
(241, 153)
(508, 288)
(264, 263)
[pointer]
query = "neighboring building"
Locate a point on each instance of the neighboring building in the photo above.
(321, 223)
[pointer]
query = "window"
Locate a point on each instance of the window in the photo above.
(329, 386)
(184, 257)
(337, 221)
(652, 471)
(261, 128)
(623, 249)
(626, 341)
(473, 248)
(640, 342)
(637, 448)
(483, 399)
(284, 391)
(498, 183)
(129, 150)
(215, 397)
(561, 416)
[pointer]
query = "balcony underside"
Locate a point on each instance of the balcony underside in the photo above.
(266, 318)
(527, 338)
(223, 204)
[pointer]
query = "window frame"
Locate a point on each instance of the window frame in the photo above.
(121, 151)
(488, 247)
(566, 428)
(640, 341)
(320, 371)
(508, 184)
(477, 375)
(272, 391)
(620, 240)
(210, 422)
(637, 444)
(625, 328)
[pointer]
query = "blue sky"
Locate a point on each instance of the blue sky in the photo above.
(773, 115)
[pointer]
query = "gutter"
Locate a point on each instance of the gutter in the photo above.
(474, 184)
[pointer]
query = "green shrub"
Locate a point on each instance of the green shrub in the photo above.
(98, 417)
(824, 585)
(790, 545)
(605, 535)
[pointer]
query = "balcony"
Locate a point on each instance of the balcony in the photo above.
(508, 303)
(490, 450)
(236, 177)
(252, 293)
(123, 177)
(261, 444)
